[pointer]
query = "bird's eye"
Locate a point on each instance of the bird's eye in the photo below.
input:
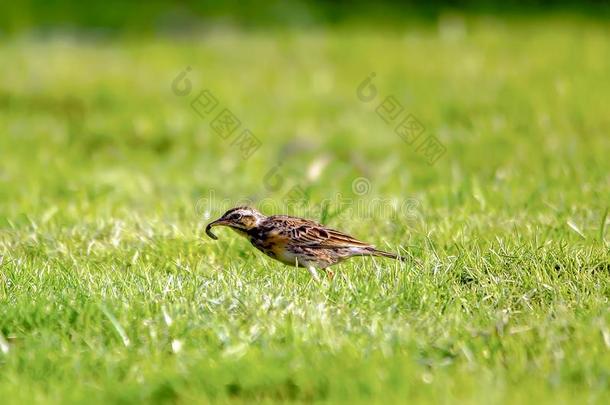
(236, 217)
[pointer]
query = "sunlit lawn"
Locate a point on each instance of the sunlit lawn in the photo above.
(111, 291)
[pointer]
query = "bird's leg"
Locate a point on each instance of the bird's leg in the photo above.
(313, 273)
(329, 273)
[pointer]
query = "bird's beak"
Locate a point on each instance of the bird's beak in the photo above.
(218, 222)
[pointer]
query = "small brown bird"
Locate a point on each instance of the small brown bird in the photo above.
(295, 241)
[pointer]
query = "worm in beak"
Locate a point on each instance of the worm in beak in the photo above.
(208, 229)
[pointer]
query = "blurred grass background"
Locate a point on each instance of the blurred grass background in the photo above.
(176, 16)
(110, 291)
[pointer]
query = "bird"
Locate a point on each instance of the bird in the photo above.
(295, 241)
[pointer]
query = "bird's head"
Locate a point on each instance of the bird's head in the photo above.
(240, 219)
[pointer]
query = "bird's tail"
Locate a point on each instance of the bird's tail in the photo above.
(381, 253)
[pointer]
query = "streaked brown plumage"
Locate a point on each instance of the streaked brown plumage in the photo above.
(295, 241)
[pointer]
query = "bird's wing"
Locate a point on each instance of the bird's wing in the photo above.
(308, 233)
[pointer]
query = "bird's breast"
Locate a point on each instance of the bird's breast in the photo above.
(275, 245)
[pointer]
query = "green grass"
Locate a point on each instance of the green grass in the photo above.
(110, 290)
